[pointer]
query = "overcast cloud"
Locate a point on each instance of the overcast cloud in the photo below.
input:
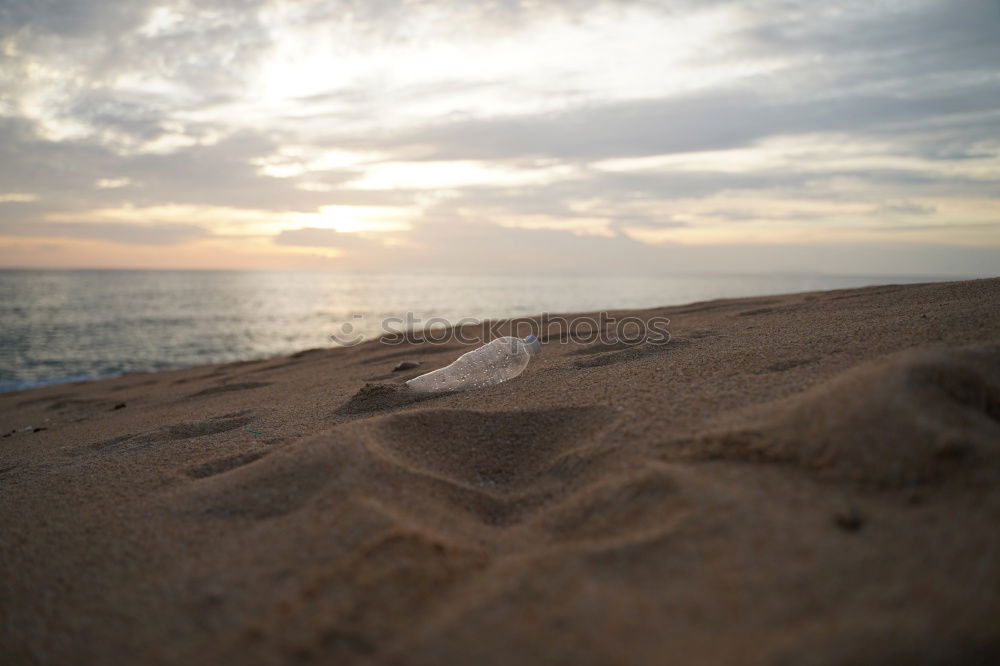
(849, 137)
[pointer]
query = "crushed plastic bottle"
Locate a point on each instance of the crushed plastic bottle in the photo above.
(493, 363)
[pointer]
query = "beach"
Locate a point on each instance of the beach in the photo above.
(810, 478)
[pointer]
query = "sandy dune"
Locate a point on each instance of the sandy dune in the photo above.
(802, 479)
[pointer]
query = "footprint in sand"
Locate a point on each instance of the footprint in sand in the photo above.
(498, 450)
(221, 465)
(604, 354)
(174, 432)
(491, 466)
(227, 388)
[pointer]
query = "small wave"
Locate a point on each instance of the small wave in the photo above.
(6, 386)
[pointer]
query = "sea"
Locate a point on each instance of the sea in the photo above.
(73, 325)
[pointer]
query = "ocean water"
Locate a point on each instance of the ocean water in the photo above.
(62, 326)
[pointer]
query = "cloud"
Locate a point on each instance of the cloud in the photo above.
(906, 208)
(319, 237)
(711, 120)
(117, 232)
(483, 248)
(69, 18)
(903, 228)
(111, 183)
(18, 197)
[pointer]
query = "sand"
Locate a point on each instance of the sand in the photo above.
(800, 479)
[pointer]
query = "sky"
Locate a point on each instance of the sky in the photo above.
(706, 136)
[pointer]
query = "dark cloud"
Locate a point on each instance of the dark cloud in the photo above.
(475, 247)
(136, 119)
(70, 18)
(897, 228)
(713, 120)
(885, 42)
(116, 232)
(481, 247)
(906, 208)
(64, 175)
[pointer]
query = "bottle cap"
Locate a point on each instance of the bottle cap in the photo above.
(534, 346)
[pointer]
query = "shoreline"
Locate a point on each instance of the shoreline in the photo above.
(13, 385)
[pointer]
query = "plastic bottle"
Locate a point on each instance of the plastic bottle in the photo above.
(493, 363)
